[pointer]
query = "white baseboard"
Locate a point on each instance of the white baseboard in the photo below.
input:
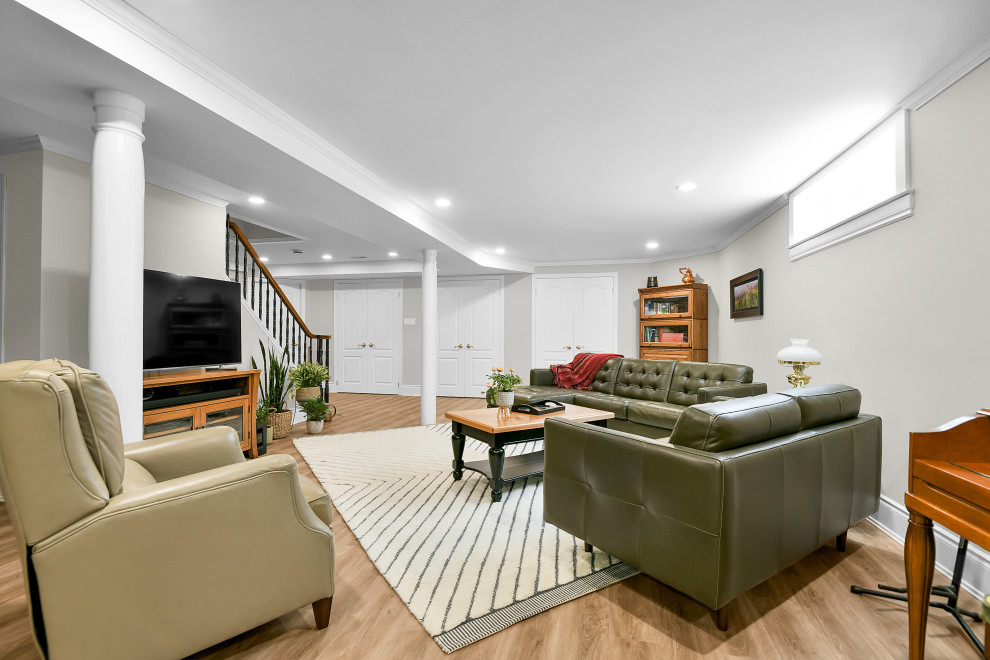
(410, 390)
(892, 518)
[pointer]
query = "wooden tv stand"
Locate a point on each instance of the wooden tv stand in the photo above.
(177, 401)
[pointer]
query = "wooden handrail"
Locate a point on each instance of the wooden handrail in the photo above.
(271, 279)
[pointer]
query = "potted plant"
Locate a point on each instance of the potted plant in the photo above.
(264, 431)
(500, 384)
(307, 377)
(316, 412)
(274, 388)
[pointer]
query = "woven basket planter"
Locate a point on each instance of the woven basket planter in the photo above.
(307, 393)
(281, 423)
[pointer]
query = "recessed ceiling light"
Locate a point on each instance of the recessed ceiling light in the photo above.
(653, 245)
(442, 202)
(687, 186)
(393, 254)
(256, 200)
(499, 250)
(264, 259)
(328, 257)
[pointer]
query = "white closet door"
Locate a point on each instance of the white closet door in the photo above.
(450, 341)
(483, 303)
(553, 321)
(469, 335)
(594, 315)
(368, 329)
(351, 321)
(384, 337)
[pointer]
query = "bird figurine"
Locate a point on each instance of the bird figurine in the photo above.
(688, 276)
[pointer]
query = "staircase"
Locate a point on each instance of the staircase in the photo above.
(270, 305)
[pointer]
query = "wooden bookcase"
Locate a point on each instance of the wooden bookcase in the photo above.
(178, 401)
(673, 322)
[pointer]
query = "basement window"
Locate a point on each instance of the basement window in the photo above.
(863, 189)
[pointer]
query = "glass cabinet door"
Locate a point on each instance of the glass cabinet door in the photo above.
(168, 423)
(228, 413)
(667, 305)
(668, 334)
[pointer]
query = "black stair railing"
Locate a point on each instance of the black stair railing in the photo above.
(270, 304)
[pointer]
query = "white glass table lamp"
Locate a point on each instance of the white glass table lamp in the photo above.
(798, 355)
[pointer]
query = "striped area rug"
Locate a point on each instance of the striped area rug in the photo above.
(465, 567)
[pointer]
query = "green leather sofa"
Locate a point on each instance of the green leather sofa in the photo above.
(647, 396)
(744, 488)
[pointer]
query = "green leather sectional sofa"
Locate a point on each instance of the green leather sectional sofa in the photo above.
(647, 396)
(742, 489)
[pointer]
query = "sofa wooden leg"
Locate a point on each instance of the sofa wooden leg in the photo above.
(840, 541)
(321, 610)
(587, 547)
(722, 617)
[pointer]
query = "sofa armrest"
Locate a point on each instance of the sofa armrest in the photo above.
(182, 555)
(540, 377)
(179, 454)
(708, 394)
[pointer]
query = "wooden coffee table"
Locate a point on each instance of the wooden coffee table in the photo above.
(499, 431)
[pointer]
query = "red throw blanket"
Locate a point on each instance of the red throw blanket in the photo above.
(581, 371)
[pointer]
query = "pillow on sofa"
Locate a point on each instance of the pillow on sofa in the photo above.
(825, 404)
(725, 425)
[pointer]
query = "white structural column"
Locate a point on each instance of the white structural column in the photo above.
(116, 276)
(428, 394)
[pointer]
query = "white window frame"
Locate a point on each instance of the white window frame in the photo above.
(898, 206)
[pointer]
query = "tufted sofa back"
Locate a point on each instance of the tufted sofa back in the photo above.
(688, 377)
(605, 378)
(644, 379)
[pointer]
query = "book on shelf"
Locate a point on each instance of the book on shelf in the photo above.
(672, 337)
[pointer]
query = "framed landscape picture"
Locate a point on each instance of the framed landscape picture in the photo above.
(746, 295)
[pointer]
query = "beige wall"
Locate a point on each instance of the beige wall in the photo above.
(22, 254)
(900, 312)
(47, 250)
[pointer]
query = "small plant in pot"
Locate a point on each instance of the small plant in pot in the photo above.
(307, 377)
(274, 388)
(316, 413)
(500, 384)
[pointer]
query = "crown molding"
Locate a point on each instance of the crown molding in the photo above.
(753, 221)
(20, 145)
(130, 36)
(954, 71)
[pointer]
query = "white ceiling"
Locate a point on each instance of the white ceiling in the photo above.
(558, 129)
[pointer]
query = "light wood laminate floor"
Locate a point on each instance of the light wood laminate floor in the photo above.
(805, 612)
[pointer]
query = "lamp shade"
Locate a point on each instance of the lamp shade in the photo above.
(799, 351)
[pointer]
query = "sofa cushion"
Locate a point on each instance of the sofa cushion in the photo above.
(825, 404)
(653, 413)
(644, 379)
(600, 401)
(689, 376)
(725, 425)
(528, 393)
(604, 380)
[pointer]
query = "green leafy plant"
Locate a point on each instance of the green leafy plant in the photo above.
(315, 409)
(501, 381)
(274, 378)
(308, 374)
(261, 414)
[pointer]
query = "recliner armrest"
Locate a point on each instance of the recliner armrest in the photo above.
(180, 454)
(708, 394)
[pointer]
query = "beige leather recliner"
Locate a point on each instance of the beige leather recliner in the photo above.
(153, 549)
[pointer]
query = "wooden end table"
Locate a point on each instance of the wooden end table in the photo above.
(498, 432)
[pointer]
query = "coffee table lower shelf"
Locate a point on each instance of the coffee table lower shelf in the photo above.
(515, 467)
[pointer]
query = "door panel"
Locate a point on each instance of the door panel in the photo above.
(594, 315)
(450, 333)
(553, 321)
(368, 313)
(470, 315)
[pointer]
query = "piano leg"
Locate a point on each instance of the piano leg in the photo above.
(919, 564)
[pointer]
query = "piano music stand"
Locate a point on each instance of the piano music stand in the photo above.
(950, 592)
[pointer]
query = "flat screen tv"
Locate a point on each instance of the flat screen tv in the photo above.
(190, 321)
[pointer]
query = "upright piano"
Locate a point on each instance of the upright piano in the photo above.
(948, 482)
